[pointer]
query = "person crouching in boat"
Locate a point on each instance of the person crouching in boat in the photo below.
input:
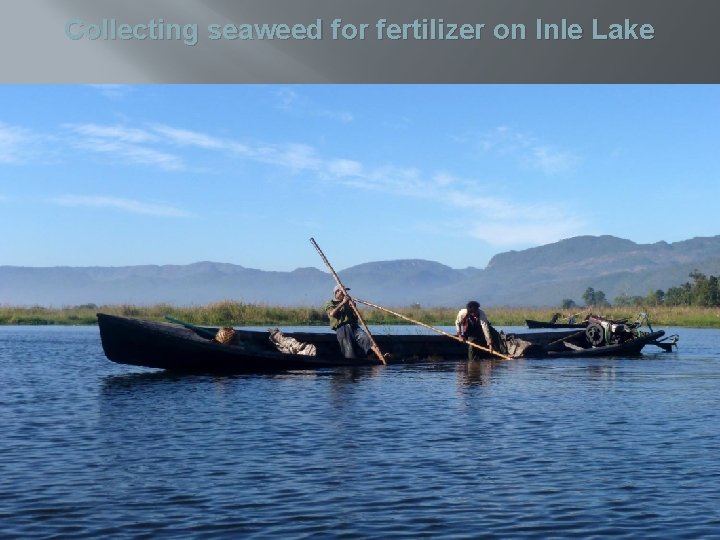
(345, 323)
(473, 326)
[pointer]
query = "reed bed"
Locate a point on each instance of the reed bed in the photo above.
(235, 313)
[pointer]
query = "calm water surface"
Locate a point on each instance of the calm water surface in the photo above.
(537, 448)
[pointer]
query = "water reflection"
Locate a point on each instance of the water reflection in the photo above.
(156, 380)
(602, 372)
(121, 383)
(477, 373)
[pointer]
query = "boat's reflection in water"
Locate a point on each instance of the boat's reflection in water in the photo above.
(476, 373)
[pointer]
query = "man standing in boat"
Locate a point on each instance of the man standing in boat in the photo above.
(472, 325)
(345, 323)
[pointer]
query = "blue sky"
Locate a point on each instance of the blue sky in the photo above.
(246, 174)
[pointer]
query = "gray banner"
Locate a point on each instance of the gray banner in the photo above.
(352, 41)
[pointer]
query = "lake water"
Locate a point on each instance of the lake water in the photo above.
(538, 448)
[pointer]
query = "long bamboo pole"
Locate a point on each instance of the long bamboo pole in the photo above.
(374, 345)
(486, 349)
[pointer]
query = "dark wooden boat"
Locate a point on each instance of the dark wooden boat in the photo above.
(546, 324)
(569, 322)
(188, 348)
(580, 347)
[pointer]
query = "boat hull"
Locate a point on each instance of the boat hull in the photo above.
(632, 347)
(543, 324)
(175, 347)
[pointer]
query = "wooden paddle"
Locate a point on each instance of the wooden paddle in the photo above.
(565, 338)
(374, 345)
(486, 349)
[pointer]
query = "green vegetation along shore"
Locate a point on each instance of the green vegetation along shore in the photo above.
(240, 314)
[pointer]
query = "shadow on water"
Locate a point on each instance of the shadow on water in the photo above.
(167, 389)
(163, 396)
(477, 373)
(157, 380)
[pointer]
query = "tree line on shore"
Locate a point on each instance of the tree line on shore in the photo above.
(703, 291)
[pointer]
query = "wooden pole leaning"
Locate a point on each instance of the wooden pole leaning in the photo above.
(486, 349)
(374, 345)
(566, 338)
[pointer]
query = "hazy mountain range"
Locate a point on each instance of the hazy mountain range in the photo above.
(540, 276)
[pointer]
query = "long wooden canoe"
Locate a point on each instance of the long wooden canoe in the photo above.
(176, 347)
(546, 324)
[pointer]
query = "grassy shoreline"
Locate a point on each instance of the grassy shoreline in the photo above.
(240, 314)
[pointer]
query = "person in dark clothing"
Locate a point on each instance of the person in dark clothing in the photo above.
(473, 326)
(344, 321)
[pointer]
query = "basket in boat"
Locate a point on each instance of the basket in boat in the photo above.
(225, 335)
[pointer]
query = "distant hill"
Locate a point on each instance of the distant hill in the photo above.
(539, 276)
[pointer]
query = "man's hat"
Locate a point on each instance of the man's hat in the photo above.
(338, 288)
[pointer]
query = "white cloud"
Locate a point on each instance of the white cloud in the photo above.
(444, 179)
(295, 156)
(125, 205)
(344, 167)
(12, 142)
(551, 161)
(506, 223)
(196, 139)
(148, 156)
(136, 154)
(495, 220)
(489, 205)
(523, 231)
(341, 116)
(113, 91)
(131, 144)
(184, 137)
(287, 98)
(527, 149)
(504, 140)
(117, 133)
(293, 102)
(389, 179)
(503, 221)
(149, 146)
